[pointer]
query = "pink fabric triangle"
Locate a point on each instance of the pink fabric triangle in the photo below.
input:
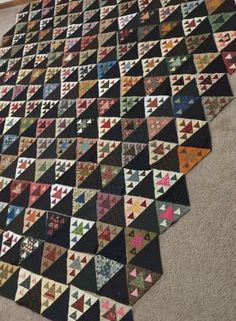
(148, 278)
(105, 305)
(134, 293)
(121, 311)
(168, 214)
(133, 273)
(164, 181)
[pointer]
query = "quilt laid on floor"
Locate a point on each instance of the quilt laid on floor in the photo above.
(104, 108)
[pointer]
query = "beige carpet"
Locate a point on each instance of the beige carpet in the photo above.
(199, 252)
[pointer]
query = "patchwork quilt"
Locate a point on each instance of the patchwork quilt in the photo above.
(104, 109)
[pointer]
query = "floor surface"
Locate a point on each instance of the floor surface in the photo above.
(198, 253)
